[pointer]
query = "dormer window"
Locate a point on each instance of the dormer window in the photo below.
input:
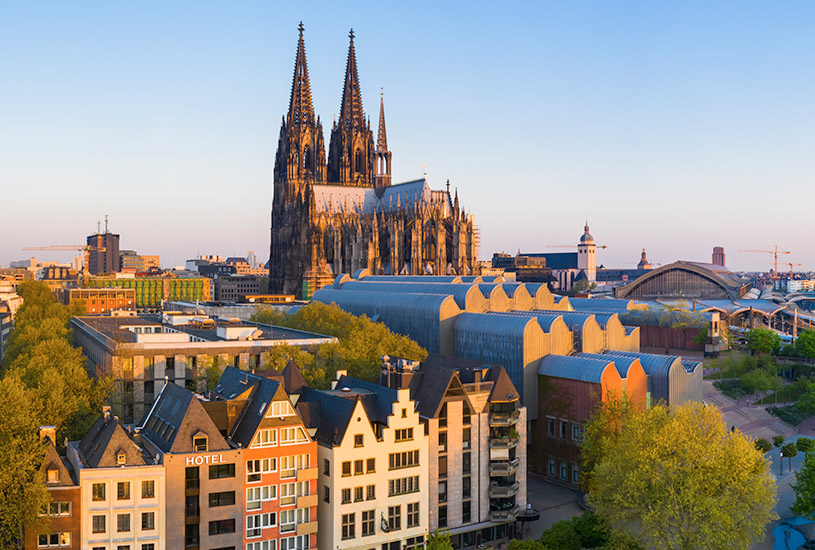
(199, 443)
(53, 476)
(279, 409)
(121, 458)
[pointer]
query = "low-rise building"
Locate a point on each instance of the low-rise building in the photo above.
(122, 489)
(235, 288)
(140, 352)
(102, 300)
(373, 465)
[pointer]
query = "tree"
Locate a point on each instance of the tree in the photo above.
(806, 403)
(562, 536)
(778, 440)
(759, 380)
(804, 444)
(763, 445)
(603, 432)
(208, 374)
(805, 344)
(804, 488)
(762, 340)
(680, 479)
(789, 450)
(439, 540)
(526, 544)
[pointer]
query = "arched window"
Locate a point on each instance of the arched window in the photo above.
(307, 162)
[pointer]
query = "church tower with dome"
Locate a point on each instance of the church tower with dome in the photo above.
(587, 255)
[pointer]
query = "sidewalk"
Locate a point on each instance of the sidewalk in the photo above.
(555, 503)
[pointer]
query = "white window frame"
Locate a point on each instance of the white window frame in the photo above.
(298, 542)
(264, 466)
(279, 409)
(294, 435)
(257, 522)
(256, 496)
(265, 437)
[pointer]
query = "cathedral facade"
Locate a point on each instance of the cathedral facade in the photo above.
(342, 213)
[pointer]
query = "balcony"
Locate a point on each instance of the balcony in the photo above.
(503, 491)
(307, 528)
(192, 513)
(504, 468)
(307, 474)
(504, 515)
(307, 501)
(501, 419)
(503, 442)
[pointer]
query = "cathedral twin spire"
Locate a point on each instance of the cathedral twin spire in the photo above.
(353, 157)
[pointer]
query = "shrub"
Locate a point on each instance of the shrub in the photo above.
(790, 414)
(763, 445)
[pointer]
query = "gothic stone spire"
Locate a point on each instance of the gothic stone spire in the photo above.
(301, 110)
(382, 138)
(351, 114)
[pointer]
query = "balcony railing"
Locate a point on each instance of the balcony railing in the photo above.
(503, 491)
(498, 419)
(192, 512)
(506, 442)
(501, 468)
(504, 515)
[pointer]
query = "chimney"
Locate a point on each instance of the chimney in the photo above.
(106, 412)
(49, 432)
(340, 374)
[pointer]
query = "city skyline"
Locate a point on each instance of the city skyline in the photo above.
(675, 129)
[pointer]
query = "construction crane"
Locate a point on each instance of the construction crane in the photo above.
(775, 252)
(573, 246)
(87, 249)
(791, 264)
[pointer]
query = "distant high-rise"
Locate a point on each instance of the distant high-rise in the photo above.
(718, 256)
(103, 256)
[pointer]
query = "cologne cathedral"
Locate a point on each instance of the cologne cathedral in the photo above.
(342, 214)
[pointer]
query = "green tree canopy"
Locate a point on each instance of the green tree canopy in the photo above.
(762, 340)
(360, 347)
(804, 444)
(763, 445)
(805, 344)
(804, 488)
(789, 451)
(439, 540)
(680, 479)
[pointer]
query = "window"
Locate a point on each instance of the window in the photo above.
(255, 496)
(466, 515)
(370, 492)
(255, 468)
(575, 475)
(346, 496)
(53, 476)
(442, 491)
(191, 476)
(98, 491)
(289, 519)
(562, 470)
(563, 429)
(54, 540)
(442, 516)
(199, 444)
(413, 514)
(148, 521)
(290, 491)
(442, 442)
(294, 543)
(279, 409)
(98, 524)
(122, 523)
(219, 471)
(368, 525)
(149, 546)
(224, 498)
(405, 459)
(404, 434)
(551, 466)
(266, 437)
(255, 523)
(358, 467)
(550, 430)
(443, 466)
(121, 459)
(403, 486)
(262, 545)
(358, 492)
(575, 431)
(123, 490)
(326, 467)
(465, 414)
(466, 487)
(292, 436)
(443, 416)
(326, 494)
(395, 517)
(404, 413)
(370, 466)
(222, 526)
(346, 468)
(290, 464)
(358, 440)
(465, 438)
(348, 525)
(466, 463)
(62, 508)
(148, 489)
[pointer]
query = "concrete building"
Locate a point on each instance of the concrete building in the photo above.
(140, 352)
(129, 260)
(235, 288)
(151, 292)
(64, 511)
(718, 256)
(103, 256)
(373, 460)
(476, 428)
(122, 489)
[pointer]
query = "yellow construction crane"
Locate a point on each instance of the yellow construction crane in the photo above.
(775, 252)
(87, 249)
(791, 264)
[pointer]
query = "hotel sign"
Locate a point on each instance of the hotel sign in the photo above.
(207, 459)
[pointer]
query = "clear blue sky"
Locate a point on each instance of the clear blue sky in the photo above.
(672, 126)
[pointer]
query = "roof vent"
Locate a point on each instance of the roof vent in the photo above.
(346, 389)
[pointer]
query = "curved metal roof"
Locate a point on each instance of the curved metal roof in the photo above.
(573, 367)
(563, 301)
(471, 279)
(690, 366)
(765, 307)
(412, 278)
(459, 292)
(730, 283)
(600, 304)
(381, 300)
(512, 288)
(545, 318)
(623, 364)
(603, 319)
(573, 319)
(651, 363)
(488, 289)
(494, 323)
